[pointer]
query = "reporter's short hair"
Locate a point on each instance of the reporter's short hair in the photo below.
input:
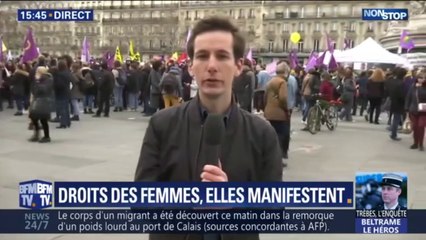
(217, 24)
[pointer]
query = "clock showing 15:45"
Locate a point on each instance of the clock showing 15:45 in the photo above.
(55, 15)
(32, 15)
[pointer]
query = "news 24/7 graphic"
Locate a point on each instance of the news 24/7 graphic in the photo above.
(35, 194)
(381, 203)
(385, 14)
(24, 15)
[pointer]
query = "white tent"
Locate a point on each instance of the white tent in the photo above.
(370, 51)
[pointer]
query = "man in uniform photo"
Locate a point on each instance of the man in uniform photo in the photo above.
(391, 190)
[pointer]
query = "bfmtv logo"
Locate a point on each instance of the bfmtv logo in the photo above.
(35, 194)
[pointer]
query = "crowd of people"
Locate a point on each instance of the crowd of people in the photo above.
(62, 85)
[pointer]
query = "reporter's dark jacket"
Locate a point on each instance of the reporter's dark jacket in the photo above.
(171, 152)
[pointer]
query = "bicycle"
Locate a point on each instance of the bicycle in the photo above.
(319, 115)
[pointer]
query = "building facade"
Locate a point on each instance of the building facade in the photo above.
(161, 27)
(416, 29)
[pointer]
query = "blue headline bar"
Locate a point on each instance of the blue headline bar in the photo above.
(55, 15)
(196, 195)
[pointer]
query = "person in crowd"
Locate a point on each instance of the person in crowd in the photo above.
(2, 85)
(347, 95)
(194, 88)
(397, 100)
(133, 86)
(409, 80)
(311, 92)
(375, 93)
(10, 68)
(89, 88)
(292, 89)
(171, 149)
(326, 88)
(259, 94)
(19, 81)
(387, 102)
(62, 81)
(187, 81)
(41, 105)
(243, 86)
(145, 87)
(120, 77)
(126, 68)
(306, 95)
(276, 106)
(105, 85)
(76, 90)
(155, 91)
(415, 105)
(362, 88)
(170, 86)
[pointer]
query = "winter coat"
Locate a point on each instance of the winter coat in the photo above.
(19, 82)
(276, 107)
(42, 103)
(396, 94)
(76, 92)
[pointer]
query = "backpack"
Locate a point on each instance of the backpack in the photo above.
(338, 88)
(122, 77)
(315, 84)
(87, 82)
(169, 84)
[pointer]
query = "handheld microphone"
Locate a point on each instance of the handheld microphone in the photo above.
(214, 133)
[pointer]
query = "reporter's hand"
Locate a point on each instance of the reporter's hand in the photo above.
(213, 173)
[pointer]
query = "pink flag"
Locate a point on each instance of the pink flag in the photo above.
(271, 68)
(249, 55)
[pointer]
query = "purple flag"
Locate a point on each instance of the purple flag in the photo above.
(294, 62)
(333, 64)
(312, 61)
(30, 47)
(85, 51)
(320, 59)
(109, 57)
(405, 41)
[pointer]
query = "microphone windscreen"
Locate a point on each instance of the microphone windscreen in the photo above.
(214, 129)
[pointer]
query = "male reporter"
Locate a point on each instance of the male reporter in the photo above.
(172, 148)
